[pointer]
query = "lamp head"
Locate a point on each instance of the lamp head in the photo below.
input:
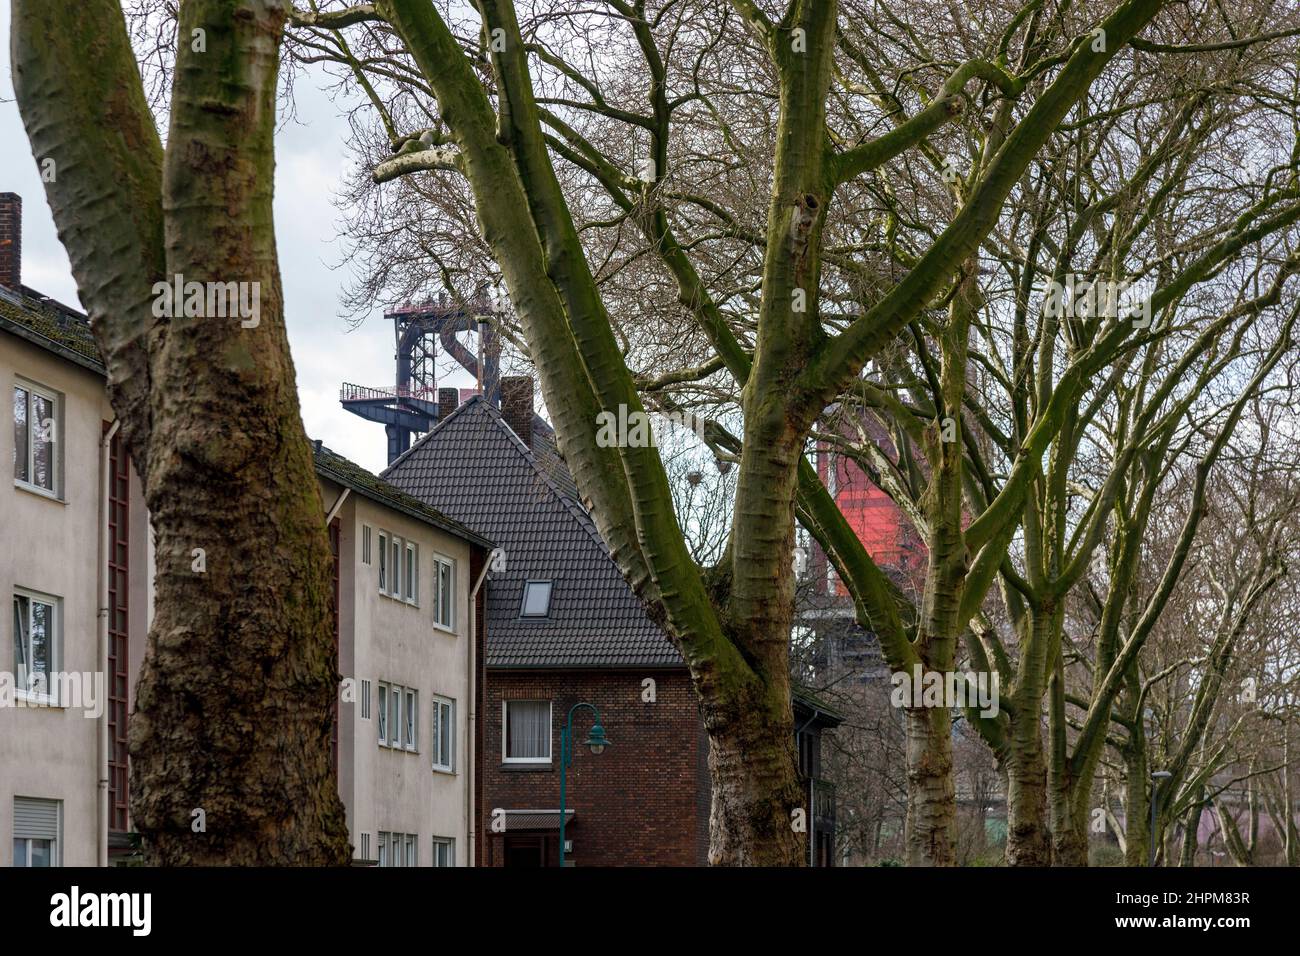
(597, 740)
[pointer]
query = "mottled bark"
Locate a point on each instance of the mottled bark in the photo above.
(754, 820)
(230, 758)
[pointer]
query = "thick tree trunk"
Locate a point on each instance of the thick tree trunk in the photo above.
(230, 758)
(1027, 835)
(755, 819)
(1137, 830)
(931, 795)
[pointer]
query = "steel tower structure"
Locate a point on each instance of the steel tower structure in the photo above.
(410, 408)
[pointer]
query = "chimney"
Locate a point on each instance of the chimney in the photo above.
(11, 240)
(517, 405)
(448, 399)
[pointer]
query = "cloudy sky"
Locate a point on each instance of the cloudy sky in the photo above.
(310, 166)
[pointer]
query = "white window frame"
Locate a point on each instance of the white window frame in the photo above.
(383, 562)
(27, 851)
(56, 456)
(395, 716)
(444, 710)
(411, 574)
(411, 719)
(444, 611)
(412, 849)
(449, 843)
(383, 848)
(395, 552)
(382, 719)
(505, 730)
(51, 696)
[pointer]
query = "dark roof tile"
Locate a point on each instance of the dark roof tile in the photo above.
(472, 466)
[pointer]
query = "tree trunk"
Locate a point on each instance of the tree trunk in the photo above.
(1027, 835)
(1137, 831)
(1191, 835)
(931, 796)
(230, 740)
(756, 792)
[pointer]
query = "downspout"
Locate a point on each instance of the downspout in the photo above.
(470, 810)
(101, 651)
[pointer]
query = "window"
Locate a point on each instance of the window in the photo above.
(399, 717)
(395, 565)
(365, 544)
(399, 568)
(36, 431)
(36, 646)
(537, 599)
(444, 734)
(365, 700)
(363, 851)
(412, 719)
(399, 849)
(527, 731)
(444, 851)
(394, 716)
(37, 827)
(412, 584)
(444, 598)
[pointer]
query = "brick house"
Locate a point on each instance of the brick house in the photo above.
(564, 628)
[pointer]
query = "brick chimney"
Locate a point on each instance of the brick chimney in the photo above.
(11, 240)
(448, 399)
(517, 405)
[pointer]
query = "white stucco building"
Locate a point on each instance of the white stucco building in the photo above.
(76, 572)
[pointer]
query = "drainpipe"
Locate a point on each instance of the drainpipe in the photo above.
(470, 809)
(101, 652)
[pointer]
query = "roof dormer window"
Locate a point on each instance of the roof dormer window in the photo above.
(537, 599)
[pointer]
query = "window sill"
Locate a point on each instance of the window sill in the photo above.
(36, 702)
(38, 491)
(444, 771)
(541, 766)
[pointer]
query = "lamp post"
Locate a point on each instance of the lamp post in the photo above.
(596, 740)
(1156, 778)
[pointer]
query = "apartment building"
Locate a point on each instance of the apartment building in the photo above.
(74, 558)
(410, 629)
(76, 566)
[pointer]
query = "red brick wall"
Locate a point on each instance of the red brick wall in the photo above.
(11, 239)
(637, 804)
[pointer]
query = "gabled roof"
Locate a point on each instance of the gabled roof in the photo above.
(50, 325)
(332, 465)
(474, 468)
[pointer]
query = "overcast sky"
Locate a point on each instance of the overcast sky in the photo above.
(310, 165)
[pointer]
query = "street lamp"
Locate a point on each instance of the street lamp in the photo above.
(1156, 778)
(596, 740)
